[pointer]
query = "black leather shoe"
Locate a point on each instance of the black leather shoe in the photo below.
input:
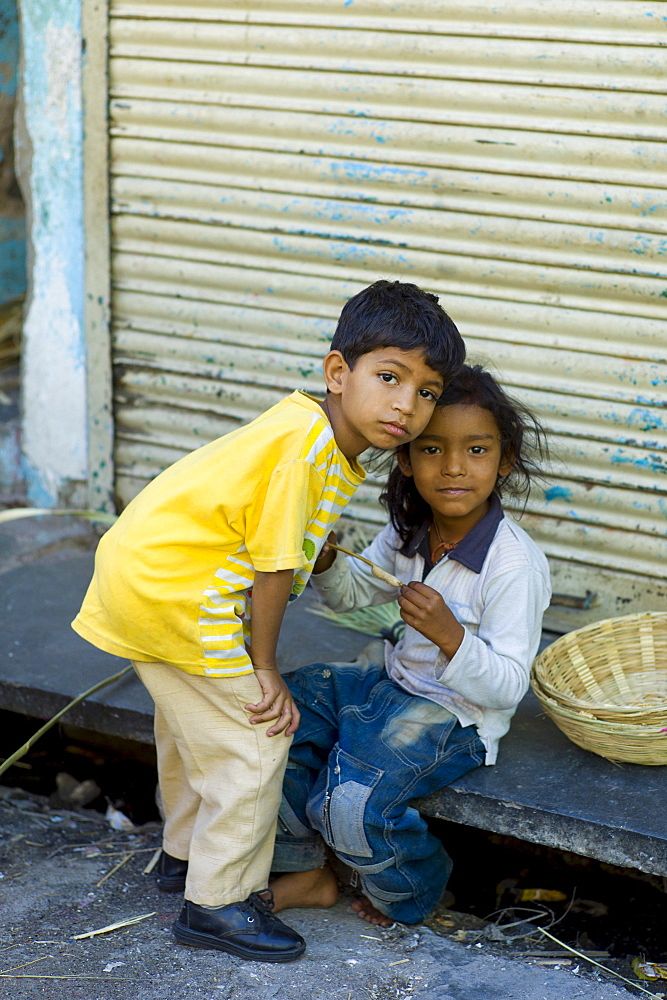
(247, 929)
(171, 873)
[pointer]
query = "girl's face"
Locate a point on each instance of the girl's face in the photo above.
(455, 463)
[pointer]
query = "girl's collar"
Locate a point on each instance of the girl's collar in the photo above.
(471, 551)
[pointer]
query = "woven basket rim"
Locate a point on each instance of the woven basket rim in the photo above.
(608, 658)
(646, 745)
(594, 660)
(616, 627)
(586, 718)
(571, 701)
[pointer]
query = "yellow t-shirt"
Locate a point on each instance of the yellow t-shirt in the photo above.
(173, 576)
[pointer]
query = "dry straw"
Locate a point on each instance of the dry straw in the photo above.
(605, 687)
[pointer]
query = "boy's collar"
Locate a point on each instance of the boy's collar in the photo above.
(308, 400)
(353, 470)
(471, 550)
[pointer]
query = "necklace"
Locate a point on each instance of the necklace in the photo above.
(446, 547)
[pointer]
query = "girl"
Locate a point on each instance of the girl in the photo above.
(403, 721)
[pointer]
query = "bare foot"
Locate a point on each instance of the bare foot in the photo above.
(365, 909)
(317, 887)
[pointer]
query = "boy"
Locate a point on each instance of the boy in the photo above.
(228, 534)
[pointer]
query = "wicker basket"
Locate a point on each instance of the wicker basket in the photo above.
(605, 687)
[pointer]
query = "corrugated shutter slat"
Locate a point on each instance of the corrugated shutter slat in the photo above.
(269, 162)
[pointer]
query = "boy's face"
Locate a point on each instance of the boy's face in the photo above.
(385, 400)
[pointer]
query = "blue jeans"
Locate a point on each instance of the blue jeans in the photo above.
(364, 749)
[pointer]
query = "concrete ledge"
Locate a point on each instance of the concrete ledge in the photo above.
(44, 663)
(544, 789)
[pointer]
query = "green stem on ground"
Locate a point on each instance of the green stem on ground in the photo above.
(604, 968)
(15, 513)
(47, 725)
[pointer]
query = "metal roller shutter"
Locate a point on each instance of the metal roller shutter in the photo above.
(270, 159)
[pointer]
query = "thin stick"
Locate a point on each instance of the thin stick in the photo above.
(15, 513)
(604, 968)
(349, 552)
(380, 573)
(114, 927)
(118, 979)
(153, 861)
(47, 725)
(114, 854)
(24, 966)
(114, 870)
(524, 920)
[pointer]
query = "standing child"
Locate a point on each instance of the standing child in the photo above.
(404, 721)
(192, 581)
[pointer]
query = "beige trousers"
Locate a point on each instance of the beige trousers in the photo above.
(220, 779)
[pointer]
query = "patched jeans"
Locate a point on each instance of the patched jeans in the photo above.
(363, 750)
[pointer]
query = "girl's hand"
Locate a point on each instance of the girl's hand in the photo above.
(423, 608)
(326, 557)
(277, 703)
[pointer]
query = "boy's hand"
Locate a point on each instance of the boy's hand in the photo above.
(277, 703)
(423, 608)
(270, 594)
(326, 557)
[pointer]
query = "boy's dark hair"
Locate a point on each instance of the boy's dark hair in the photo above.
(522, 440)
(399, 314)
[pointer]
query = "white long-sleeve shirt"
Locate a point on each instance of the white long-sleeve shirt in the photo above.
(496, 583)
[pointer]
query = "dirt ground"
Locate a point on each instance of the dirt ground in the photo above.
(65, 874)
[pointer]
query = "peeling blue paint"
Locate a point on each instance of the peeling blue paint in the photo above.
(362, 171)
(39, 493)
(646, 420)
(651, 461)
(56, 135)
(557, 493)
(54, 360)
(645, 244)
(371, 255)
(340, 128)
(648, 506)
(646, 401)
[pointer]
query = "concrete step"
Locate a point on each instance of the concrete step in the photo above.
(544, 789)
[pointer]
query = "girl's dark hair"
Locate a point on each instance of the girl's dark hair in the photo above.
(522, 441)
